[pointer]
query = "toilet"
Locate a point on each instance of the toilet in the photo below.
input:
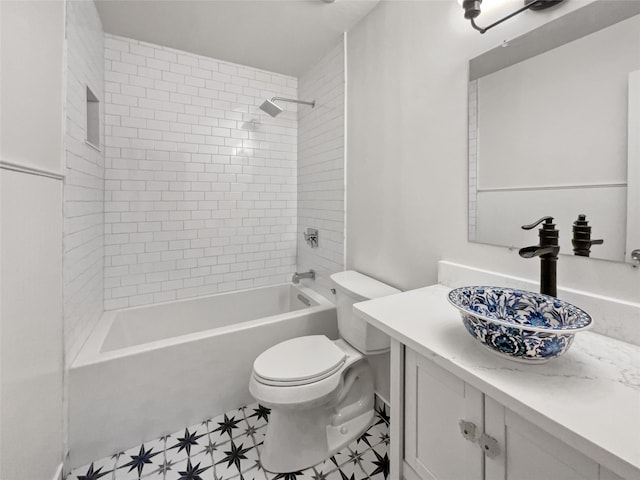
(320, 391)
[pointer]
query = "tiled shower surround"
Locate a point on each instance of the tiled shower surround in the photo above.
(84, 179)
(200, 185)
(228, 447)
(321, 168)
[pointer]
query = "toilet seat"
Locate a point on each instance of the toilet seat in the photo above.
(299, 361)
(303, 393)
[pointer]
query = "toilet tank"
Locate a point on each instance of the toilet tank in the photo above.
(353, 287)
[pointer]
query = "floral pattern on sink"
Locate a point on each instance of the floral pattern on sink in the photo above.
(520, 325)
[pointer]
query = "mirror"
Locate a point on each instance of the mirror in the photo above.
(554, 121)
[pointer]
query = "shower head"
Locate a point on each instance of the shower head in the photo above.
(271, 108)
(274, 109)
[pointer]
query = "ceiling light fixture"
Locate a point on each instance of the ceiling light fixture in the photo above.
(472, 11)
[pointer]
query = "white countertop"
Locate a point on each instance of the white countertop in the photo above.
(588, 398)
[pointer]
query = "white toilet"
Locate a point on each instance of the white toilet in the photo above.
(320, 391)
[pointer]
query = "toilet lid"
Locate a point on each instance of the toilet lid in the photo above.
(299, 360)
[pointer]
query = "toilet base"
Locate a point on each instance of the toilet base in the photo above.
(296, 440)
(299, 437)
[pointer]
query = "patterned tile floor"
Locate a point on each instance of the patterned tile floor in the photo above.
(228, 447)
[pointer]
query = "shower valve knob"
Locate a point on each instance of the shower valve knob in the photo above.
(311, 237)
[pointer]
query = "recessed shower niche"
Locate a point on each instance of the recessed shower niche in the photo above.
(93, 120)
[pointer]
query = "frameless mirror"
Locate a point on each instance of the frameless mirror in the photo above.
(554, 126)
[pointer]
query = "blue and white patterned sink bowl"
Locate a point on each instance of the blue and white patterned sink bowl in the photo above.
(519, 325)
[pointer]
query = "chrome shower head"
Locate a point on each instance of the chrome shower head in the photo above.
(274, 109)
(271, 108)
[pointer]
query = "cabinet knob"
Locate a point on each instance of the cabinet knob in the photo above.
(489, 445)
(468, 430)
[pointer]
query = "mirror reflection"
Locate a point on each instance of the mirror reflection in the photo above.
(552, 133)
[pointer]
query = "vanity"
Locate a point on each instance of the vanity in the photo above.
(462, 413)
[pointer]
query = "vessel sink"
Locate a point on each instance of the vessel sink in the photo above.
(519, 325)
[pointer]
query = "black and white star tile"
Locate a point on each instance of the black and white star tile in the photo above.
(228, 447)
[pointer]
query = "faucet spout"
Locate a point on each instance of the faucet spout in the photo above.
(311, 274)
(538, 251)
(548, 263)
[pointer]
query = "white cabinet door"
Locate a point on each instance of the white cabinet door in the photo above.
(528, 453)
(435, 401)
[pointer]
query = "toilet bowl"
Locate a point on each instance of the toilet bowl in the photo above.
(320, 391)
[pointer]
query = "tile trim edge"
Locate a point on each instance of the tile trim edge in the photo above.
(28, 169)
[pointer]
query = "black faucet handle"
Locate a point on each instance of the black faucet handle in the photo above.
(582, 237)
(548, 220)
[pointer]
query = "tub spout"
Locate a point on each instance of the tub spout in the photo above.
(299, 276)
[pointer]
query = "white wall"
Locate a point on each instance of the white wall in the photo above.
(84, 183)
(32, 82)
(200, 183)
(31, 324)
(321, 168)
(31, 298)
(407, 150)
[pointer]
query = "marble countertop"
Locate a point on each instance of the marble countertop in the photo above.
(588, 398)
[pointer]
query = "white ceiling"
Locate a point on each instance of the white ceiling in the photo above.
(284, 36)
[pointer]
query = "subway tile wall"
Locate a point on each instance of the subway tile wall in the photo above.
(321, 168)
(200, 185)
(83, 267)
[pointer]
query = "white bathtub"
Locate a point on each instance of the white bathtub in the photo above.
(149, 371)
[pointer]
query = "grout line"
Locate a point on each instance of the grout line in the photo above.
(213, 464)
(164, 457)
(253, 439)
(115, 466)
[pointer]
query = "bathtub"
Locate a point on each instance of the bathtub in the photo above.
(148, 371)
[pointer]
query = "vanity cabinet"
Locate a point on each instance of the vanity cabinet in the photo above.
(453, 431)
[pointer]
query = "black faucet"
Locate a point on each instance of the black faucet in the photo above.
(582, 237)
(547, 250)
